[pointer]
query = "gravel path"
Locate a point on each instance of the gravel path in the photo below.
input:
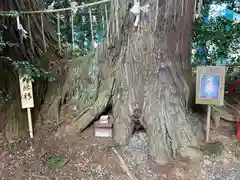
(220, 173)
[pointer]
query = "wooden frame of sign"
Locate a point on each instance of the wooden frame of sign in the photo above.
(218, 71)
(216, 97)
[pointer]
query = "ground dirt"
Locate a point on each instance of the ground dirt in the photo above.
(92, 158)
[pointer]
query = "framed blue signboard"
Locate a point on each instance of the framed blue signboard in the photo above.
(210, 85)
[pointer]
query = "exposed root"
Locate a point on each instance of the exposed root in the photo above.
(124, 166)
(91, 113)
(80, 88)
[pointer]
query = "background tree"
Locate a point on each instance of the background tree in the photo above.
(216, 38)
(26, 58)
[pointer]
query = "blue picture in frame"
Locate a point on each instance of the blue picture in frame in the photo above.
(209, 86)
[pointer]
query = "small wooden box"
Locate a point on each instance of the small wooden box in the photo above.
(103, 127)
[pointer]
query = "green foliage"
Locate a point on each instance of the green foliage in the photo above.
(82, 25)
(216, 39)
(23, 67)
(32, 70)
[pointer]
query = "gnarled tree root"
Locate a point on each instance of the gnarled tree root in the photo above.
(86, 117)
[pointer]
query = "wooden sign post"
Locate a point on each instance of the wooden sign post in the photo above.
(26, 92)
(210, 88)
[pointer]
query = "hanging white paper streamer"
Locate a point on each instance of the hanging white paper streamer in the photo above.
(137, 20)
(83, 19)
(18, 23)
(199, 9)
(145, 8)
(236, 22)
(51, 6)
(136, 10)
(81, 8)
(73, 6)
(95, 44)
(21, 29)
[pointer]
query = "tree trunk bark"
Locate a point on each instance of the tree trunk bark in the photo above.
(153, 76)
(150, 68)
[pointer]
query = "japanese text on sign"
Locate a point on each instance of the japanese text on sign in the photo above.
(26, 92)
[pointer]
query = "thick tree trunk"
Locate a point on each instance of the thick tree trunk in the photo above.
(152, 80)
(150, 66)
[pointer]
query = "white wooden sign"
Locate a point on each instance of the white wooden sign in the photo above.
(26, 92)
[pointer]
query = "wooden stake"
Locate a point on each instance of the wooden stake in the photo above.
(123, 165)
(91, 23)
(58, 31)
(208, 122)
(43, 34)
(30, 122)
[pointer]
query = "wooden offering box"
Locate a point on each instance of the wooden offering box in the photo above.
(103, 127)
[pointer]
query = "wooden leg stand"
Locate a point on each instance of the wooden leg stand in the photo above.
(208, 123)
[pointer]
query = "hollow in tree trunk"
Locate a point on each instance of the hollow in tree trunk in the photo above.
(152, 78)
